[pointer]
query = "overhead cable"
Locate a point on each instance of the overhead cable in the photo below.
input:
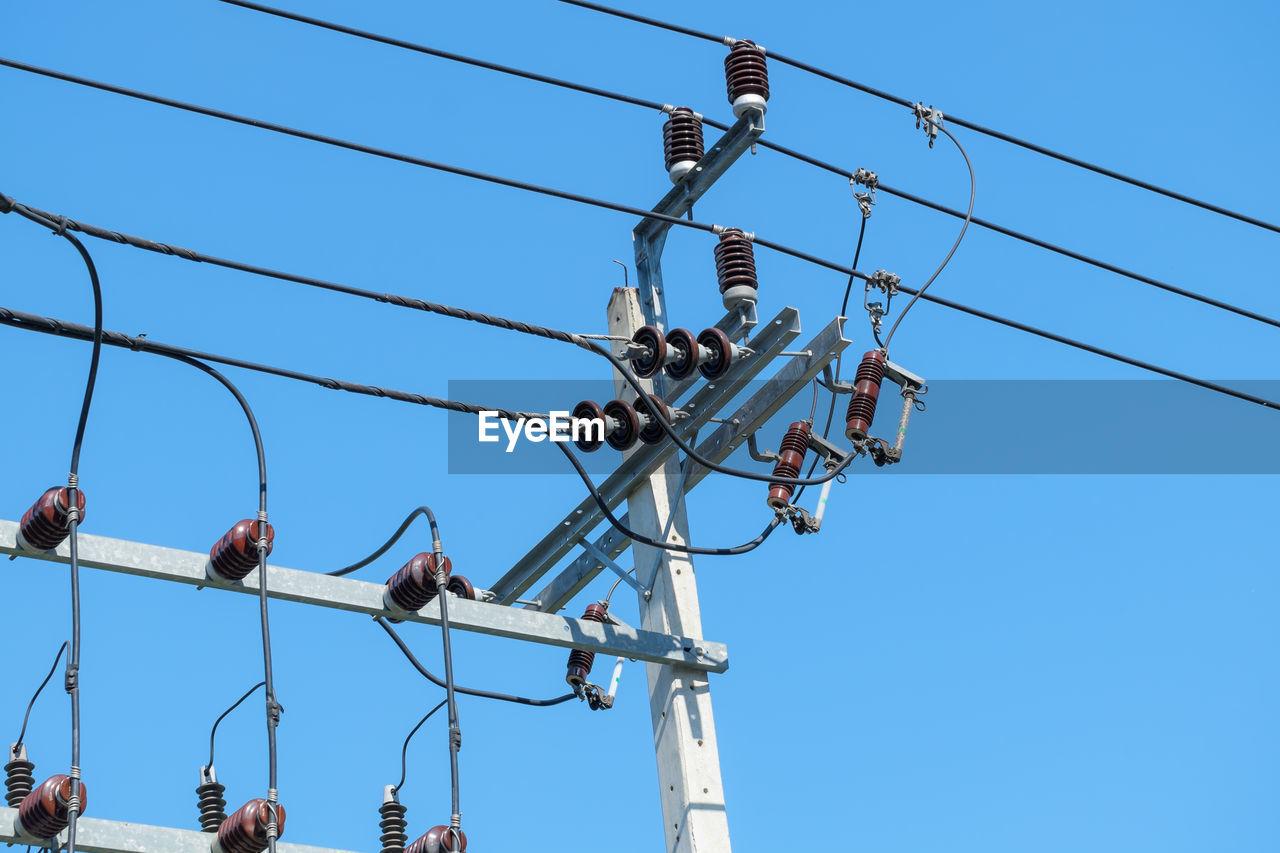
(965, 123)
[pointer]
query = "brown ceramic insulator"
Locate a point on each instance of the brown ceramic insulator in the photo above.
(587, 438)
(439, 839)
(735, 260)
(43, 812)
(652, 432)
(682, 137)
(651, 338)
(866, 390)
(236, 553)
(722, 353)
(246, 830)
(580, 661)
(461, 587)
(414, 585)
(628, 430)
(745, 71)
(685, 358)
(45, 525)
(790, 457)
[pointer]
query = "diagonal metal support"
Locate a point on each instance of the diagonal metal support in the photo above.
(601, 557)
(771, 339)
(790, 380)
(153, 561)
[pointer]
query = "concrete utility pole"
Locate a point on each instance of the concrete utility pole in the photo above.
(684, 731)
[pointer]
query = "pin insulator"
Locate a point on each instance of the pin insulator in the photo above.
(580, 660)
(246, 830)
(682, 142)
(440, 839)
(413, 586)
(19, 776)
(866, 391)
(47, 523)
(746, 77)
(736, 268)
(236, 554)
(790, 457)
(45, 811)
(210, 799)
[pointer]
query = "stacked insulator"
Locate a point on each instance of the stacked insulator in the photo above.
(580, 660)
(790, 457)
(213, 806)
(736, 268)
(19, 776)
(623, 424)
(866, 391)
(46, 524)
(246, 830)
(394, 825)
(679, 352)
(44, 812)
(414, 585)
(236, 554)
(682, 142)
(746, 77)
(461, 587)
(439, 839)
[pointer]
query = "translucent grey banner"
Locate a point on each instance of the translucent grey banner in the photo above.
(968, 427)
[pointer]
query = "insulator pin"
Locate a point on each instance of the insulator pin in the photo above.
(19, 776)
(580, 660)
(246, 830)
(736, 268)
(866, 391)
(44, 812)
(790, 457)
(746, 77)
(414, 585)
(236, 554)
(440, 839)
(210, 799)
(47, 523)
(682, 142)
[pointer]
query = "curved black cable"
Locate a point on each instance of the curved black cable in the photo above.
(63, 328)
(386, 546)
(763, 143)
(973, 192)
(903, 102)
(72, 679)
(214, 731)
(667, 546)
(404, 750)
(468, 691)
(27, 716)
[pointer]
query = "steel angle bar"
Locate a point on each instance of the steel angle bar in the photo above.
(357, 596)
(771, 339)
(94, 835)
(792, 379)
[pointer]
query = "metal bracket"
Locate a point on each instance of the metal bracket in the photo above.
(932, 120)
(627, 578)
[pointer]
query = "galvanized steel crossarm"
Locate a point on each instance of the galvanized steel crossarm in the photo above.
(357, 596)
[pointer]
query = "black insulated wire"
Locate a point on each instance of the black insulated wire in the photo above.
(214, 731)
(27, 716)
(960, 122)
(384, 547)
(404, 750)
(762, 143)
(467, 691)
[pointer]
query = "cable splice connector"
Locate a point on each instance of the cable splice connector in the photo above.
(931, 118)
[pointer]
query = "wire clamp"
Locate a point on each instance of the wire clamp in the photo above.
(455, 737)
(870, 180)
(6, 204)
(932, 120)
(72, 679)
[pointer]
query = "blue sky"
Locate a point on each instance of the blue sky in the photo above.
(958, 662)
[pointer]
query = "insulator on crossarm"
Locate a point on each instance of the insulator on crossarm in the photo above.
(246, 830)
(589, 427)
(651, 432)
(659, 355)
(461, 587)
(866, 390)
(414, 586)
(19, 776)
(212, 803)
(48, 523)
(44, 812)
(746, 77)
(394, 825)
(440, 839)
(722, 353)
(236, 554)
(580, 660)
(790, 457)
(626, 433)
(685, 354)
(736, 268)
(682, 142)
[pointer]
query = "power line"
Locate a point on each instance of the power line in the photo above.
(66, 329)
(762, 143)
(901, 101)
